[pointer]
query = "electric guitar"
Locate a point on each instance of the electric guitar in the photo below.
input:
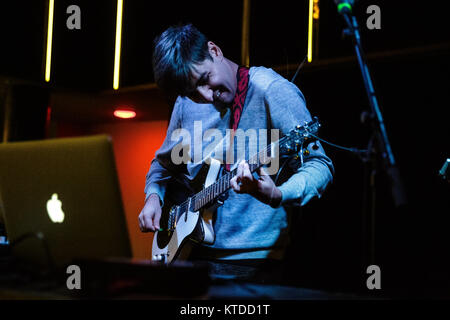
(187, 218)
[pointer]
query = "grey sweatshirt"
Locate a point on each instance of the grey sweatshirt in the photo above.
(245, 228)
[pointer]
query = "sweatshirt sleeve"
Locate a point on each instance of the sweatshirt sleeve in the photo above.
(162, 167)
(287, 108)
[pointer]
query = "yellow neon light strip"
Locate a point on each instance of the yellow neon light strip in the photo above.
(48, 60)
(310, 29)
(118, 44)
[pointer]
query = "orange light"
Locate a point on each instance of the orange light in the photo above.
(124, 113)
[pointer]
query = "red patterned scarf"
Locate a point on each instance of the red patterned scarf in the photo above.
(239, 100)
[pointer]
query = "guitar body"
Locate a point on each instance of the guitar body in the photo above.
(168, 246)
(196, 226)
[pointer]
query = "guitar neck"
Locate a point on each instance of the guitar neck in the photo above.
(212, 192)
(288, 144)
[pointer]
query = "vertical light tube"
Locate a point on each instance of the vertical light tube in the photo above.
(118, 45)
(245, 45)
(310, 29)
(48, 59)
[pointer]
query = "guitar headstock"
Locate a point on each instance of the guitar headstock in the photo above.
(299, 136)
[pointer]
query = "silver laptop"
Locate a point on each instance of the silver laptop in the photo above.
(61, 200)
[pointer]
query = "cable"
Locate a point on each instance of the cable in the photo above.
(279, 170)
(354, 150)
(298, 68)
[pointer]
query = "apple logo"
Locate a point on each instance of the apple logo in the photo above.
(54, 209)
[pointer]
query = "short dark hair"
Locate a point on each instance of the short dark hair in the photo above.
(176, 50)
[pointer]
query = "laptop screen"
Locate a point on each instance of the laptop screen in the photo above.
(61, 200)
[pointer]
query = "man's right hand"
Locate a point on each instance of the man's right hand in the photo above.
(150, 214)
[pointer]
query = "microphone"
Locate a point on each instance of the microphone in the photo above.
(344, 6)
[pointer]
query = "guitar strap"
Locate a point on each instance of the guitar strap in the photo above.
(238, 103)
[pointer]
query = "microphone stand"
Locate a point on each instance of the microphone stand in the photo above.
(378, 145)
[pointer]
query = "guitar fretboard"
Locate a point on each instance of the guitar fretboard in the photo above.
(212, 192)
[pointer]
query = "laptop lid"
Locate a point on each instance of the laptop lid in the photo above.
(61, 200)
